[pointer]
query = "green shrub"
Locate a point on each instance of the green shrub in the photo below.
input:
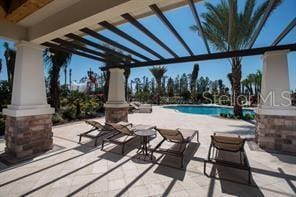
(249, 116)
(5, 94)
(57, 118)
(252, 116)
(69, 113)
(225, 115)
(231, 116)
(2, 127)
(237, 117)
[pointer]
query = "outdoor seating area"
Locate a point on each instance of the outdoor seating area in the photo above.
(84, 170)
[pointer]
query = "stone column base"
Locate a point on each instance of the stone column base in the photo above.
(115, 115)
(276, 132)
(28, 135)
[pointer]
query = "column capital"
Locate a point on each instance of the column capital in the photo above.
(116, 70)
(23, 43)
(279, 52)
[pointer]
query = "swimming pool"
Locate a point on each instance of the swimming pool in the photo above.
(205, 110)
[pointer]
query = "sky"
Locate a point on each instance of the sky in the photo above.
(182, 19)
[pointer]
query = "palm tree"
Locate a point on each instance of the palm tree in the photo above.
(258, 79)
(242, 27)
(55, 60)
(10, 55)
(65, 75)
(158, 73)
(76, 99)
(0, 67)
(127, 72)
(247, 83)
(194, 76)
(70, 78)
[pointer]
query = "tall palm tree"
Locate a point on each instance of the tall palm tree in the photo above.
(158, 73)
(10, 55)
(258, 79)
(55, 60)
(242, 27)
(65, 75)
(0, 67)
(70, 78)
(127, 72)
(194, 76)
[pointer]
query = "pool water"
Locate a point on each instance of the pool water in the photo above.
(206, 110)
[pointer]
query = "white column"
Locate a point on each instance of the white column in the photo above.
(29, 93)
(116, 95)
(275, 89)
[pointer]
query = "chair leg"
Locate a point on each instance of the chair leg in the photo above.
(122, 149)
(205, 167)
(96, 142)
(102, 144)
(151, 155)
(249, 175)
(182, 161)
(79, 139)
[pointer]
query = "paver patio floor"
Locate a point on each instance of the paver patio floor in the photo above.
(82, 170)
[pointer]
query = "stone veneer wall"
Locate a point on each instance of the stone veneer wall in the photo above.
(276, 132)
(28, 135)
(115, 115)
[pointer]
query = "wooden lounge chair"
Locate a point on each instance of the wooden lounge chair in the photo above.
(124, 133)
(235, 144)
(140, 108)
(179, 138)
(96, 126)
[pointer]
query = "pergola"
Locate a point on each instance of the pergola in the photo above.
(71, 45)
(29, 106)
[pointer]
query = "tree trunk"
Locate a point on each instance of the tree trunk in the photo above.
(106, 85)
(65, 72)
(158, 91)
(126, 89)
(55, 89)
(236, 77)
(78, 109)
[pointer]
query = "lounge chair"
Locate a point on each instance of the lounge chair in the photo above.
(96, 126)
(228, 143)
(140, 108)
(180, 138)
(124, 133)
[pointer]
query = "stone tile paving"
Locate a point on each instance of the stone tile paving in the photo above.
(82, 170)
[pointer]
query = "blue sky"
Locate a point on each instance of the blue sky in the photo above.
(182, 19)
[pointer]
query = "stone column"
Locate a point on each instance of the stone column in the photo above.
(116, 108)
(28, 126)
(276, 118)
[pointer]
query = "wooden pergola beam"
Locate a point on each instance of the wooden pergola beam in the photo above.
(143, 29)
(198, 23)
(261, 23)
(167, 23)
(213, 56)
(113, 43)
(124, 35)
(69, 50)
(283, 34)
(98, 46)
(67, 44)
